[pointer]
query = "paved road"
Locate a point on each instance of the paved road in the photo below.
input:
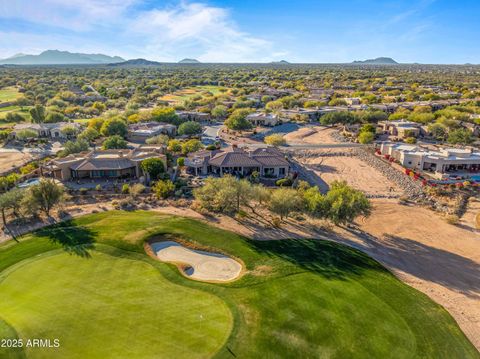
(211, 131)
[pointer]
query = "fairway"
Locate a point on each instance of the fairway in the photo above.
(297, 298)
(22, 111)
(9, 94)
(188, 93)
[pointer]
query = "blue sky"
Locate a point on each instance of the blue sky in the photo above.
(425, 31)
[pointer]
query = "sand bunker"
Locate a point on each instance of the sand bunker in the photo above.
(198, 265)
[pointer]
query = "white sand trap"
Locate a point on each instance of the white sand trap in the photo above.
(201, 265)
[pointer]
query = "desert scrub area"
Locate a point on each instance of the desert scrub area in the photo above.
(297, 297)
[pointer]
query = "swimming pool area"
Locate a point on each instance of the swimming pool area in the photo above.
(475, 178)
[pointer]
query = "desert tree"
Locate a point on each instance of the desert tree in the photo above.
(43, 196)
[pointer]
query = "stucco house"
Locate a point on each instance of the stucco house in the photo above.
(140, 132)
(441, 164)
(193, 116)
(49, 130)
(266, 119)
(401, 128)
(98, 164)
(269, 162)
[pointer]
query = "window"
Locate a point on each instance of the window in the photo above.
(281, 171)
(268, 171)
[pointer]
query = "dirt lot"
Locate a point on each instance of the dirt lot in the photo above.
(469, 219)
(357, 174)
(12, 158)
(311, 135)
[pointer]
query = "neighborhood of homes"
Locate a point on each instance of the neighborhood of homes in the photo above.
(268, 162)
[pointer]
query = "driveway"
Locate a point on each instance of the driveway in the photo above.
(212, 130)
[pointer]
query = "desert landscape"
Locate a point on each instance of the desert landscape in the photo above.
(11, 158)
(311, 135)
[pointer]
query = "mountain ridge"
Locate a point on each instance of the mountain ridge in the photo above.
(57, 57)
(136, 62)
(189, 61)
(377, 61)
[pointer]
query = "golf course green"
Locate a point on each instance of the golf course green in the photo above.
(90, 284)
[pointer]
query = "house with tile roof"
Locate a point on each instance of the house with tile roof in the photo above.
(269, 162)
(50, 130)
(101, 164)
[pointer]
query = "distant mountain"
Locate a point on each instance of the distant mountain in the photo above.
(136, 62)
(280, 62)
(15, 56)
(189, 61)
(378, 61)
(56, 57)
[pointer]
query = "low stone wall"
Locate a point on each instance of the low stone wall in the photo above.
(322, 153)
(412, 188)
(337, 136)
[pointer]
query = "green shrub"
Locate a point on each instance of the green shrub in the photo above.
(284, 182)
(164, 189)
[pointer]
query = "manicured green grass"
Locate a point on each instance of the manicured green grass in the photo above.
(22, 111)
(108, 304)
(82, 120)
(9, 108)
(299, 298)
(188, 93)
(9, 94)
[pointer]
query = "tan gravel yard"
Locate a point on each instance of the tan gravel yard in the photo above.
(311, 135)
(357, 173)
(10, 158)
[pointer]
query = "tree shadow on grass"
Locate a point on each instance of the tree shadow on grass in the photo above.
(74, 239)
(329, 259)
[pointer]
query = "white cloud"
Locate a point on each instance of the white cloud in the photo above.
(77, 15)
(195, 29)
(189, 29)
